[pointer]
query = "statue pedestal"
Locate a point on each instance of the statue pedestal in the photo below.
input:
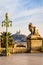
(34, 43)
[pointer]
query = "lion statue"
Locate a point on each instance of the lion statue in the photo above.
(33, 29)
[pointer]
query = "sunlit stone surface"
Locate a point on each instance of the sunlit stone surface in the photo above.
(22, 59)
(34, 39)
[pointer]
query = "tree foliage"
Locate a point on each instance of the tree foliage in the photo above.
(10, 40)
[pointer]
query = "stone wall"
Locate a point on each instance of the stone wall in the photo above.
(34, 44)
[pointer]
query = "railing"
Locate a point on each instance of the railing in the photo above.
(14, 50)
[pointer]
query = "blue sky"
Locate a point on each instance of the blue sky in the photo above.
(22, 12)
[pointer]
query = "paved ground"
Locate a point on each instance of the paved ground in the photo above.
(22, 59)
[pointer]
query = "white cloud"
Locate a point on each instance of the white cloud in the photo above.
(30, 12)
(35, 16)
(17, 11)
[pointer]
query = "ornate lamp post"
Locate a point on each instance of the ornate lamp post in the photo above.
(6, 23)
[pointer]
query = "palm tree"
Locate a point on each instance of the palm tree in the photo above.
(10, 40)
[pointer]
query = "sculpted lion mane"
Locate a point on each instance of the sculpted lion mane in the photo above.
(33, 29)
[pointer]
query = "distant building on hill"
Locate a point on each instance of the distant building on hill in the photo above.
(19, 37)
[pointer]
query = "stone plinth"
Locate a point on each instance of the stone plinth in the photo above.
(34, 43)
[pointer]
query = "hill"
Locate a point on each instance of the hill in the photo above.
(19, 37)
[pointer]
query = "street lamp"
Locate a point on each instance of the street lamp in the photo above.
(6, 23)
